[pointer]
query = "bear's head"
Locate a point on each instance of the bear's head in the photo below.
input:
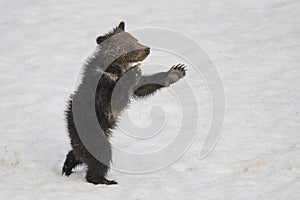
(122, 46)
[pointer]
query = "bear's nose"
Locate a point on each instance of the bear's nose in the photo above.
(147, 50)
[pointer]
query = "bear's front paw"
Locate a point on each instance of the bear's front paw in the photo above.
(175, 73)
(131, 77)
(136, 70)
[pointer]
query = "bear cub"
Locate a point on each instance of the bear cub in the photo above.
(114, 66)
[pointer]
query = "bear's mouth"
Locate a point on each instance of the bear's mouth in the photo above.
(136, 64)
(138, 61)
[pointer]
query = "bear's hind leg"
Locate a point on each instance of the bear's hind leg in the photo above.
(96, 173)
(70, 163)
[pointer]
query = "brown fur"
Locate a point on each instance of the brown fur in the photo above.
(111, 80)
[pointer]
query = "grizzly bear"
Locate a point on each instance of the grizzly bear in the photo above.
(112, 64)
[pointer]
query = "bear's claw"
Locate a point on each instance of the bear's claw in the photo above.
(181, 68)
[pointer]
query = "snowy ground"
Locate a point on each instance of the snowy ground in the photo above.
(255, 45)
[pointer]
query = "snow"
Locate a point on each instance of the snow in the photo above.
(255, 46)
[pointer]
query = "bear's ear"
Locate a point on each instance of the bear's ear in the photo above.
(100, 39)
(122, 26)
(118, 29)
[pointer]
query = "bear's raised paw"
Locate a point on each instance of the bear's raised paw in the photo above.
(175, 73)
